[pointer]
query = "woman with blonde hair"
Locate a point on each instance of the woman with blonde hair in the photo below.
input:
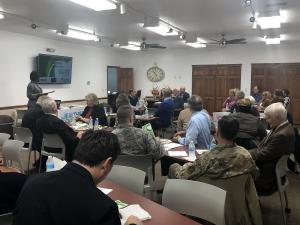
(93, 110)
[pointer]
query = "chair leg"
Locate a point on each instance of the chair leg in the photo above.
(287, 209)
(282, 207)
(40, 166)
(28, 162)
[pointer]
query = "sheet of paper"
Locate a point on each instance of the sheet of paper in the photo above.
(171, 146)
(200, 151)
(177, 153)
(190, 158)
(135, 210)
(105, 190)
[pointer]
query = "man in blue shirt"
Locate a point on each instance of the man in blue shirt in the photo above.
(256, 94)
(164, 111)
(199, 127)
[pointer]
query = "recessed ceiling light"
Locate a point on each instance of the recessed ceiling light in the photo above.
(163, 30)
(272, 40)
(196, 45)
(81, 34)
(1, 16)
(134, 46)
(97, 5)
(272, 20)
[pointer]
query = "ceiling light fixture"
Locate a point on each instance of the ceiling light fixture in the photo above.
(162, 29)
(81, 34)
(97, 5)
(196, 44)
(272, 40)
(2, 16)
(134, 46)
(123, 9)
(269, 22)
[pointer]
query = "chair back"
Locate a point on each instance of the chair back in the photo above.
(11, 151)
(53, 141)
(3, 137)
(23, 134)
(6, 219)
(195, 198)
(218, 115)
(19, 116)
(141, 162)
(129, 177)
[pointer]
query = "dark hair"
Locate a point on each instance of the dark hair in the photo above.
(123, 113)
(138, 93)
(34, 76)
(285, 92)
(96, 146)
(130, 91)
(195, 103)
(122, 99)
(278, 93)
(167, 92)
(228, 127)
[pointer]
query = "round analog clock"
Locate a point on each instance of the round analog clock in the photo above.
(155, 74)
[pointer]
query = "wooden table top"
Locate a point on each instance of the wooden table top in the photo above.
(159, 213)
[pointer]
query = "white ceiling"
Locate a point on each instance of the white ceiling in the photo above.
(204, 18)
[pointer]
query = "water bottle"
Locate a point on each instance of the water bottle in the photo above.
(91, 125)
(192, 149)
(146, 112)
(105, 111)
(50, 164)
(96, 125)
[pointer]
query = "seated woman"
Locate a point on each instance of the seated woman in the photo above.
(93, 110)
(251, 128)
(230, 101)
(265, 101)
(11, 181)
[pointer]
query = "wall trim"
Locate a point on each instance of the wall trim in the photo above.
(24, 106)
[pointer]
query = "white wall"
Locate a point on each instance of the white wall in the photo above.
(177, 63)
(17, 53)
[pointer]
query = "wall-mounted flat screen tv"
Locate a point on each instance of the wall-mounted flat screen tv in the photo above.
(54, 69)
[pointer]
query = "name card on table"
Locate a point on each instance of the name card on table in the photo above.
(177, 153)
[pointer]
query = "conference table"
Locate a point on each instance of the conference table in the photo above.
(160, 214)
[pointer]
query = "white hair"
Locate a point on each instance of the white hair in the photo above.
(252, 99)
(276, 110)
(49, 105)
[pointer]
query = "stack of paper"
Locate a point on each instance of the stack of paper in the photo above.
(177, 153)
(134, 210)
(171, 145)
(105, 190)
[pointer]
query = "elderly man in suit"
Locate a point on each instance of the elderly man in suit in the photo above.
(279, 142)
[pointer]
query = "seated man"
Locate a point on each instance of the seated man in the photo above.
(135, 141)
(29, 121)
(225, 160)
(11, 181)
(164, 111)
(178, 101)
(280, 141)
(70, 195)
(132, 97)
(51, 124)
(199, 127)
(184, 118)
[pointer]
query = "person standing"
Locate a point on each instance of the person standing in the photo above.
(34, 91)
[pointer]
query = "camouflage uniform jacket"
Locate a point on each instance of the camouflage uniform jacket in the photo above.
(136, 141)
(223, 161)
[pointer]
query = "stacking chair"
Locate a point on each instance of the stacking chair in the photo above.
(25, 135)
(129, 177)
(52, 141)
(12, 152)
(196, 199)
(3, 137)
(282, 183)
(19, 117)
(141, 162)
(6, 219)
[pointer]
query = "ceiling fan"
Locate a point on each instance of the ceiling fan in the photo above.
(144, 45)
(223, 41)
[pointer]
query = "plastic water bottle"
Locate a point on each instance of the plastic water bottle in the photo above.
(96, 125)
(105, 111)
(91, 125)
(50, 164)
(146, 113)
(192, 149)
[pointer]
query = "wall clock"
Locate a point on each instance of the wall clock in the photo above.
(155, 74)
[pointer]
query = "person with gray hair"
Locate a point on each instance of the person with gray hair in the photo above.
(199, 127)
(93, 110)
(280, 141)
(49, 123)
(135, 141)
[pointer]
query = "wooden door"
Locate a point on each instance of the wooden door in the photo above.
(125, 79)
(271, 76)
(212, 83)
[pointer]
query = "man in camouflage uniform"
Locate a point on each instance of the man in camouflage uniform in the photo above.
(135, 141)
(224, 161)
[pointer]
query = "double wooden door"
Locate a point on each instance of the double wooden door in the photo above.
(212, 83)
(271, 76)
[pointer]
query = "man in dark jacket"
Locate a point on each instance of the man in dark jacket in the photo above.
(279, 142)
(70, 196)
